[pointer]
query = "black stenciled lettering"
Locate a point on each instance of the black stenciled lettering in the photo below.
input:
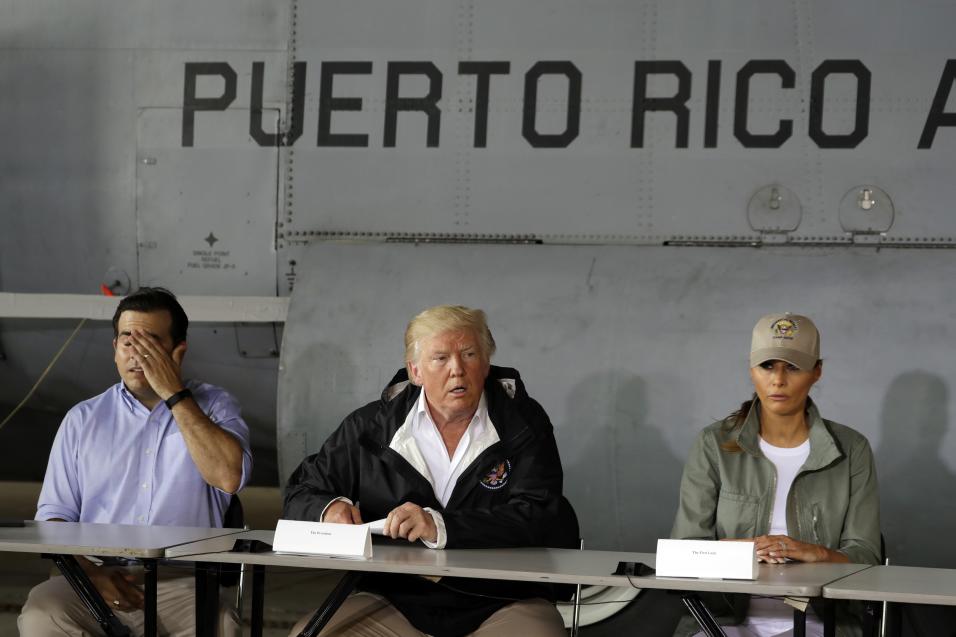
(483, 72)
(861, 124)
(329, 103)
(427, 104)
(191, 103)
(255, 107)
(742, 99)
(530, 112)
(937, 117)
(676, 104)
(712, 109)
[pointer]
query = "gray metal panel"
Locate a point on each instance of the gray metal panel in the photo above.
(226, 25)
(67, 181)
(76, 76)
(207, 213)
(600, 189)
(633, 351)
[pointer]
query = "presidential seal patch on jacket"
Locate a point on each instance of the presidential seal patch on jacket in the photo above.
(498, 476)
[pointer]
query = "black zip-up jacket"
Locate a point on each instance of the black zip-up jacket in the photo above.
(484, 511)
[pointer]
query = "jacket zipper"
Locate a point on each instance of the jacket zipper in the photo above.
(796, 505)
(773, 497)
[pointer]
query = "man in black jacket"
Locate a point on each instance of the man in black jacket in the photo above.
(455, 455)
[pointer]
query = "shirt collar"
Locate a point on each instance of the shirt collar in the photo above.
(824, 449)
(131, 402)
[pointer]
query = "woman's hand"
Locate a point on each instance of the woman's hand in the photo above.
(776, 549)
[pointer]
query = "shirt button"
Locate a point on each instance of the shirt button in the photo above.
(144, 485)
(148, 451)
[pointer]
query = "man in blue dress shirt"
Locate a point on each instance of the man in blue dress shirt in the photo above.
(151, 450)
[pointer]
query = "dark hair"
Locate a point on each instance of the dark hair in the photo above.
(734, 422)
(148, 299)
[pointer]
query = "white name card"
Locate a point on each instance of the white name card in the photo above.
(706, 558)
(318, 538)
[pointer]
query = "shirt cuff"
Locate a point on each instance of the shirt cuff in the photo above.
(442, 539)
(46, 512)
(339, 499)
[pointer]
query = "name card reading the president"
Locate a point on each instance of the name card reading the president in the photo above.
(319, 538)
(706, 559)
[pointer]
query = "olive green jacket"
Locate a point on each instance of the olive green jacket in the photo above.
(833, 500)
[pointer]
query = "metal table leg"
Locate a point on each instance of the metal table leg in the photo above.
(207, 599)
(90, 597)
(894, 619)
(149, 601)
(799, 623)
(829, 618)
(331, 604)
(258, 598)
(703, 615)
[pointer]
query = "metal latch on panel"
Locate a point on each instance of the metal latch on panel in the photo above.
(866, 213)
(774, 211)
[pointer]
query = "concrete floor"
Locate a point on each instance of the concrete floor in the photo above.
(290, 593)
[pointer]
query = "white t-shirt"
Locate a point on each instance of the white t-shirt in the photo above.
(768, 617)
(788, 462)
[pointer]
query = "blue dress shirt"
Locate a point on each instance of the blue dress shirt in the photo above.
(116, 462)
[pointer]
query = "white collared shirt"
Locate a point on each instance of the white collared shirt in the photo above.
(419, 433)
(419, 442)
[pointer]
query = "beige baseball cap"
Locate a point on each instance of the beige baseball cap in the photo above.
(786, 337)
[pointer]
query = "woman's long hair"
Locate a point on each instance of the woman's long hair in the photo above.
(734, 422)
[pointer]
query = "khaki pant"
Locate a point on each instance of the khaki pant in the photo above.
(369, 615)
(53, 609)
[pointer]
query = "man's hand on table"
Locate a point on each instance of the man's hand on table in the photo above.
(411, 522)
(342, 512)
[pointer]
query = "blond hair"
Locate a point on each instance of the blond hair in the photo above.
(448, 318)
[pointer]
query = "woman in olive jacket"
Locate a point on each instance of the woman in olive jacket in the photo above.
(802, 487)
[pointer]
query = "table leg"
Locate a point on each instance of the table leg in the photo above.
(207, 599)
(894, 620)
(90, 597)
(258, 598)
(703, 615)
(149, 598)
(829, 618)
(331, 604)
(799, 623)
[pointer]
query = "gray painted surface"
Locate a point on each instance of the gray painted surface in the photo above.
(599, 188)
(633, 351)
(647, 344)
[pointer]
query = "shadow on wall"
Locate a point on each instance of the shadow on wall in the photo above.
(619, 473)
(317, 390)
(915, 485)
